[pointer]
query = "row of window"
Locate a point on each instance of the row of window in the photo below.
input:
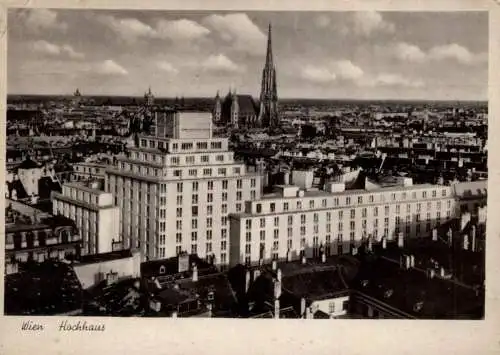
(349, 200)
(210, 185)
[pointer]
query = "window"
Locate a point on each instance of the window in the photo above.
(353, 225)
(209, 247)
(179, 187)
(219, 158)
(398, 209)
(223, 221)
(424, 194)
(252, 195)
(272, 206)
(328, 216)
(276, 233)
(315, 218)
(207, 172)
(178, 225)
(239, 184)
(209, 234)
(248, 236)
(302, 218)
(360, 199)
(252, 183)
(336, 201)
(370, 198)
(353, 214)
(238, 196)
(363, 213)
(290, 220)
(331, 307)
(209, 210)
(223, 245)
(195, 186)
(194, 236)
(248, 224)
(311, 204)
(204, 158)
(248, 248)
(194, 249)
(224, 208)
(179, 212)
(224, 196)
(238, 207)
(302, 230)
(262, 222)
(259, 208)
(276, 221)
(386, 210)
(177, 173)
(299, 205)
(285, 206)
(263, 235)
(194, 199)
(341, 214)
(443, 192)
(210, 197)
(224, 184)
(323, 203)
(290, 232)
(178, 238)
(347, 200)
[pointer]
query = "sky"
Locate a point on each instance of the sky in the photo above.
(331, 55)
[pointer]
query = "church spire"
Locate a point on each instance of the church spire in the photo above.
(268, 113)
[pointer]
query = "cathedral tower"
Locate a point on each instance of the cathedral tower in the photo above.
(268, 112)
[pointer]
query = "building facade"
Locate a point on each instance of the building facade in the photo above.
(236, 111)
(176, 191)
(291, 222)
(94, 213)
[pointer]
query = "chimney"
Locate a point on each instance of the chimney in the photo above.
(276, 309)
(370, 244)
(195, 273)
(412, 260)
(304, 259)
(261, 262)
(473, 241)
(174, 314)
(384, 243)
(303, 307)
(434, 235)
(278, 275)
(401, 241)
(466, 242)
(431, 273)
(247, 281)
(256, 274)
(464, 219)
(274, 265)
(309, 314)
(450, 236)
(277, 289)
(209, 307)
(441, 272)
(323, 257)
(354, 251)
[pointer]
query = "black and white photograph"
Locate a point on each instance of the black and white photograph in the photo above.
(245, 164)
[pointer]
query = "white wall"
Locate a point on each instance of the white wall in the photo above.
(126, 267)
(324, 306)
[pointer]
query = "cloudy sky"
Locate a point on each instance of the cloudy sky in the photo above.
(366, 55)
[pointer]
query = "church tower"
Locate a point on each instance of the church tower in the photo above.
(217, 108)
(268, 112)
(149, 98)
(235, 110)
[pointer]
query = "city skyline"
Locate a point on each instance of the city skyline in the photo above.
(329, 55)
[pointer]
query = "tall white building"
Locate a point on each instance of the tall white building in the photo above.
(94, 213)
(176, 190)
(293, 222)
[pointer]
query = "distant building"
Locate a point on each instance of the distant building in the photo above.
(236, 111)
(149, 98)
(94, 213)
(38, 238)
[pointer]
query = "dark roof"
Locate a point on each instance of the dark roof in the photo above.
(48, 288)
(19, 187)
(29, 164)
(415, 294)
(46, 185)
(113, 255)
(171, 265)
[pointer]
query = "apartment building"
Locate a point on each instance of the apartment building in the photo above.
(176, 190)
(292, 222)
(94, 213)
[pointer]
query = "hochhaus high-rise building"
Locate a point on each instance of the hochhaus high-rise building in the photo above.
(268, 112)
(176, 189)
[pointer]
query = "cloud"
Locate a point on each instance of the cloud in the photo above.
(220, 63)
(409, 52)
(391, 79)
(345, 69)
(182, 29)
(239, 31)
(131, 29)
(318, 75)
(367, 22)
(412, 53)
(167, 67)
(110, 67)
(41, 19)
(52, 49)
(341, 69)
(456, 52)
